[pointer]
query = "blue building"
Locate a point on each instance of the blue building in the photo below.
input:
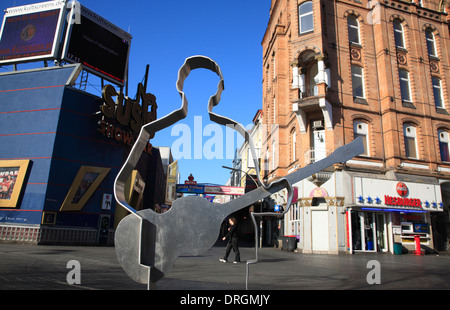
(57, 170)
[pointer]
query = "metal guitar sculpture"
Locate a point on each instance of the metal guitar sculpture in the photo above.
(148, 243)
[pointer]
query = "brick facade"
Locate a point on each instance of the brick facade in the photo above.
(381, 108)
(334, 70)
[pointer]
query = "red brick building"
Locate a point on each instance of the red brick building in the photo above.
(335, 70)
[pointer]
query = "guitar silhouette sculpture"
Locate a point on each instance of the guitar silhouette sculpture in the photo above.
(148, 243)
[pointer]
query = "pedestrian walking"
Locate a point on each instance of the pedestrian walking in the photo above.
(233, 239)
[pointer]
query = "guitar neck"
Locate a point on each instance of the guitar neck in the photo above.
(342, 154)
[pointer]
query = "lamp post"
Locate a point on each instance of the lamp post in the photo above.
(261, 202)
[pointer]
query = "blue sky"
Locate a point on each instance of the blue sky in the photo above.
(165, 33)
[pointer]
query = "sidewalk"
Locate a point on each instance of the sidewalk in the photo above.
(26, 267)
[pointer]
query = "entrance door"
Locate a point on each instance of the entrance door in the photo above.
(382, 243)
(363, 231)
(319, 224)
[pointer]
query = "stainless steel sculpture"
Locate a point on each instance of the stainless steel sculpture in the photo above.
(147, 243)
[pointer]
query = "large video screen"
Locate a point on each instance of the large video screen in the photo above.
(31, 32)
(98, 45)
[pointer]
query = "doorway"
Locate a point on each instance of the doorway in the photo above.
(381, 227)
(369, 231)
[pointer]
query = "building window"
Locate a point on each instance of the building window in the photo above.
(398, 34)
(404, 85)
(443, 145)
(437, 91)
(431, 45)
(273, 155)
(409, 133)
(357, 81)
(294, 144)
(353, 29)
(274, 111)
(306, 20)
(361, 129)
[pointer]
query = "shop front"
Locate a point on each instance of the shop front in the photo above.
(384, 213)
(355, 212)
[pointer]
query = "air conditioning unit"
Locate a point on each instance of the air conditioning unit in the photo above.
(317, 124)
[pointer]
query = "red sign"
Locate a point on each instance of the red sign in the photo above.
(402, 189)
(397, 201)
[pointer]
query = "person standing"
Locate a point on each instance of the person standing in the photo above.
(233, 239)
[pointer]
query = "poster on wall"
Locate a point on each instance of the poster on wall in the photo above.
(84, 185)
(12, 176)
(32, 32)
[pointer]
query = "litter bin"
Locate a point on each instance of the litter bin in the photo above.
(289, 243)
(398, 250)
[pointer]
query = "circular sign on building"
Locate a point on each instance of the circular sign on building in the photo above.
(402, 189)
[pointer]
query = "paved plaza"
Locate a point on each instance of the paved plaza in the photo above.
(28, 267)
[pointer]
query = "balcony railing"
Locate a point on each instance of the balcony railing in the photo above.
(314, 154)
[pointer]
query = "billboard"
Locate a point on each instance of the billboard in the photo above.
(32, 32)
(101, 47)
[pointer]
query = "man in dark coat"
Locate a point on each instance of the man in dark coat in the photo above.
(233, 239)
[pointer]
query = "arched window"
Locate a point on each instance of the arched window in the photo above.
(404, 85)
(431, 44)
(353, 29)
(444, 140)
(293, 144)
(437, 91)
(306, 19)
(361, 129)
(358, 81)
(409, 132)
(398, 34)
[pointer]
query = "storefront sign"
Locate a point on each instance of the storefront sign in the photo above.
(190, 189)
(318, 192)
(224, 190)
(398, 201)
(398, 195)
(402, 189)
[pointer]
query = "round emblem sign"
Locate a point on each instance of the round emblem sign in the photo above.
(402, 189)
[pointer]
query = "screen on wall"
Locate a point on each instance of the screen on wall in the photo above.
(31, 32)
(101, 47)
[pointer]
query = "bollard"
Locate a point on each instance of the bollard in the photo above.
(418, 251)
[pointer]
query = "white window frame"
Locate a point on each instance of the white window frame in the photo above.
(444, 138)
(361, 129)
(438, 88)
(409, 131)
(294, 144)
(305, 15)
(431, 40)
(354, 27)
(399, 32)
(405, 82)
(358, 76)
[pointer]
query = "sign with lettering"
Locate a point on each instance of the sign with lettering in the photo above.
(127, 115)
